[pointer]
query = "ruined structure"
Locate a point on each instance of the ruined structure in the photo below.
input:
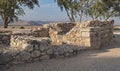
(54, 40)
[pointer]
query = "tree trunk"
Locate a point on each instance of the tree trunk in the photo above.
(5, 23)
(70, 17)
(81, 15)
(4, 20)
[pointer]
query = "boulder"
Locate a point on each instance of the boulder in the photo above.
(23, 56)
(5, 58)
(35, 54)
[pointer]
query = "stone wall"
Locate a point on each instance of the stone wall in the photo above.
(93, 34)
(26, 49)
(40, 32)
(54, 41)
(101, 32)
(5, 38)
(58, 30)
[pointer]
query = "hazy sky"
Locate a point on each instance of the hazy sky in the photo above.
(48, 11)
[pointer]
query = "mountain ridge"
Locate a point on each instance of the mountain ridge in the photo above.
(29, 23)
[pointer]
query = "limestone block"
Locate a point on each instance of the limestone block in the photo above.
(35, 53)
(85, 34)
(50, 51)
(23, 56)
(36, 46)
(45, 57)
(28, 47)
(5, 58)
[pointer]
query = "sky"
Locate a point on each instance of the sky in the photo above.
(48, 11)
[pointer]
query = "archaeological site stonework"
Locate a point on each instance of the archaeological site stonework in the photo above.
(55, 40)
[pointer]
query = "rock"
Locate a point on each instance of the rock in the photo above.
(45, 57)
(23, 56)
(35, 54)
(43, 53)
(36, 47)
(36, 59)
(28, 47)
(41, 32)
(67, 54)
(42, 48)
(50, 51)
(5, 58)
(68, 49)
(2, 67)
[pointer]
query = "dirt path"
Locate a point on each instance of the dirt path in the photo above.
(94, 60)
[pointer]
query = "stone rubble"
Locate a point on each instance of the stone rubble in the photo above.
(56, 40)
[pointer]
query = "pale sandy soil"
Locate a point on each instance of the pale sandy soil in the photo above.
(106, 59)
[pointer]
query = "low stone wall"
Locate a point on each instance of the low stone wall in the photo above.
(92, 34)
(54, 41)
(62, 28)
(40, 32)
(55, 37)
(58, 30)
(5, 38)
(26, 49)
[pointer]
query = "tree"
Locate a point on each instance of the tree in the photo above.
(83, 6)
(75, 8)
(96, 9)
(11, 9)
(104, 9)
(70, 7)
(112, 9)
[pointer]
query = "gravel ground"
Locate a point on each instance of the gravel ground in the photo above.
(107, 59)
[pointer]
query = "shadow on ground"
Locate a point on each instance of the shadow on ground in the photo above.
(106, 59)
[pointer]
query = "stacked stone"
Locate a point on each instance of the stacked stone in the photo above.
(22, 32)
(102, 30)
(55, 37)
(65, 50)
(35, 50)
(79, 36)
(106, 33)
(30, 50)
(90, 34)
(40, 32)
(5, 37)
(62, 28)
(17, 41)
(96, 23)
(58, 30)
(26, 47)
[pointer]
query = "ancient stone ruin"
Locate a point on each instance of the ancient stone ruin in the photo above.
(53, 41)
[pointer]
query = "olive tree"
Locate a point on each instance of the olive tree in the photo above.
(70, 6)
(10, 10)
(104, 9)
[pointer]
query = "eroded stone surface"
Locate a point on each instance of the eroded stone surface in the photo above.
(54, 41)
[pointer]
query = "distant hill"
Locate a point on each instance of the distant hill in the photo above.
(29, 23)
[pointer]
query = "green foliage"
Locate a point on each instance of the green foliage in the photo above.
(104, 9)
(96, 9)
(70, 6)
(11, 9)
